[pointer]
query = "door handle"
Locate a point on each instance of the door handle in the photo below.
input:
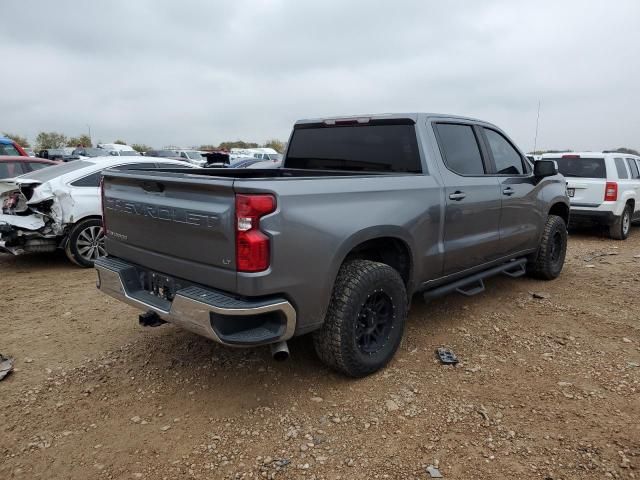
(508, 191)
(457, 195)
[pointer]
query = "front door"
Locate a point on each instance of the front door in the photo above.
(520, 219)
(472, 213)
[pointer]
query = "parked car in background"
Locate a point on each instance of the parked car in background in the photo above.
(115, 146)
(163, 154)
(30, 152)
(60, 154)
(90, 152)
(603, 188)
(365, 212)
(193, 156)
(243, 162)
(59, 207)
(124, 153)
(265, 164)
(10, 148)
(11, 167)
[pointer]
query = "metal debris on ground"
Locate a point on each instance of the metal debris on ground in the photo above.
(446, 356)
(6, 365)
(434, 472)
(540, 296)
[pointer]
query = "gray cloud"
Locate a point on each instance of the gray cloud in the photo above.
(189, 72)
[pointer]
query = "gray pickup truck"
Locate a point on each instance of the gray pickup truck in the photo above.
(365, 212)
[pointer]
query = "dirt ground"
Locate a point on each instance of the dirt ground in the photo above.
(547, 388)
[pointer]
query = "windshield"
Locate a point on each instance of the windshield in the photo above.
(9, 169)
(581, 167)
(193, 155)
(377, 148)
(10, 150)
(46, 174)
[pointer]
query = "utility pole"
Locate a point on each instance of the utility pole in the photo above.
(535, 140)
(90, 139)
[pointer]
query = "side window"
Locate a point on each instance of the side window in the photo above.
(459, 148)
(183, 155)
(92, 180)
(508, 160)
(621, 168)
(633, 167)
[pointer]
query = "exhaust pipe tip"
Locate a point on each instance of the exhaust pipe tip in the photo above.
(280, 351)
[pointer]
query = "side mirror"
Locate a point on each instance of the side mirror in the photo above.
(545, 168)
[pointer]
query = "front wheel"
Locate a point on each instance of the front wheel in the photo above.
(621, 227)
(549, 258)
(86, 242)
(365, 320)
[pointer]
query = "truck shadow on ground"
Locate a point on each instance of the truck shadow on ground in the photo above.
(37, 261)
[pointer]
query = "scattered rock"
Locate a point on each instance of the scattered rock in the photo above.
(316, 399)
(434, 472)
(165, 428)
(391, 406)
(626, 340)
(28, 360)
(136, 419)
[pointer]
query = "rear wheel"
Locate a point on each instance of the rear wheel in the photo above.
(86, 242)
(621, 227)
(549, 258)
(365, 321)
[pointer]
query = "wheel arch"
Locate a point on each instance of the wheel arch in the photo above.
(390, 245)
(561, 209)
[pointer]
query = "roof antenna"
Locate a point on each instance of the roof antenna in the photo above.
(535, 140)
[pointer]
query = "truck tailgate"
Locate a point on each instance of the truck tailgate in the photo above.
(172, 222)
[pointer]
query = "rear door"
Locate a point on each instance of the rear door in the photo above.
(472, 213)
(519, 220)
(586, 179)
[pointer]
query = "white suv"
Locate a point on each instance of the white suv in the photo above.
(603, 187)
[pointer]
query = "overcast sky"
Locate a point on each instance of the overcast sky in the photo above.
(192, 72)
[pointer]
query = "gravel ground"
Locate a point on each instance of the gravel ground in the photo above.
(547, 388)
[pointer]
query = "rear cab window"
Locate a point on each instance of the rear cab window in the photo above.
(581, 167)
(370, 147)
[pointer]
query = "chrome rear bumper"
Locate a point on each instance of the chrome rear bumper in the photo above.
(207, 312)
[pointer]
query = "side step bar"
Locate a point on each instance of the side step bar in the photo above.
(474, 284)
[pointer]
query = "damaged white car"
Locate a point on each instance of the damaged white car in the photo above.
(59, 207)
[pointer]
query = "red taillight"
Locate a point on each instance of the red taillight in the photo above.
(104, 224)
(611, 192)
(252, 245)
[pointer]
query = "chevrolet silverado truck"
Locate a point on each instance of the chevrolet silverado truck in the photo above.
(364, 213)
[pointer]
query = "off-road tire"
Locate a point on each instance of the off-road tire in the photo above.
(549, 259)
(620, 228)
(73, 248)
(336, 343)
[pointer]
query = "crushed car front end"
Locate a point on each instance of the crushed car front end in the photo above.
(31, 218)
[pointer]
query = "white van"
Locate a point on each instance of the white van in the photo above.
(602, 187)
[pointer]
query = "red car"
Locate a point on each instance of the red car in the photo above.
(12, 166)
(11, 148)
